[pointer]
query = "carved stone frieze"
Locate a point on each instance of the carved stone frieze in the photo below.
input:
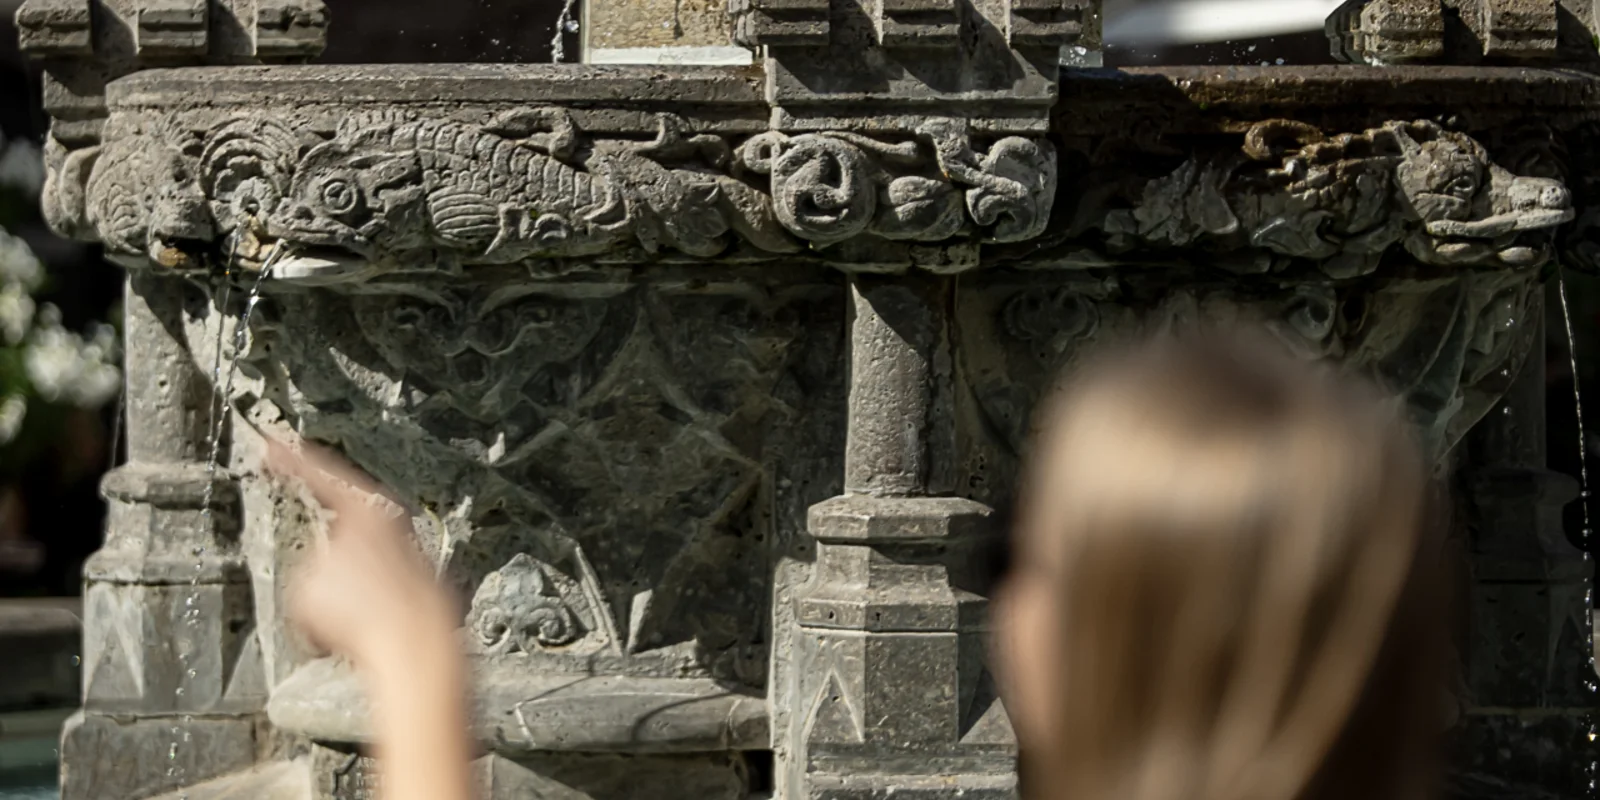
(1341, 202)
(397, 188)
(1391, 32)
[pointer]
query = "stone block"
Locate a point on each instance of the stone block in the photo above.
(172, 27)
(1054, 23)
(42, 640)
(918, 23)
(1519, 29)
(283, 780)
(55, 28)
(1551, 751)
(912, 787)
(1387, 31)
(1527, 647)
(522, 711)
(342, 773)
(780, 23)
(863, 519)
(169, 648)
(131, 758)
(289, 30)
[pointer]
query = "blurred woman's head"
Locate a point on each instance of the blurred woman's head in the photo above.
(1225, 585)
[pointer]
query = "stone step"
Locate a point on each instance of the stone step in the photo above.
(290, 780)
(42, 639)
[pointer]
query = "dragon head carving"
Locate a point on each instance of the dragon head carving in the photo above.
(1471, 210)
(353, 196)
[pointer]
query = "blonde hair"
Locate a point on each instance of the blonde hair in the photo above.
(1243, 577)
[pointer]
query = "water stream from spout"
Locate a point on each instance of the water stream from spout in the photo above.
(222, 376)
(1587, 533)
(565, 24)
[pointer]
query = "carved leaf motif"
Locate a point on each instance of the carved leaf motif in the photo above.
(515, 610)
(1017, 190)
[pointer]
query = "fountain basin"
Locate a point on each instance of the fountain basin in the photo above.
(705, 381)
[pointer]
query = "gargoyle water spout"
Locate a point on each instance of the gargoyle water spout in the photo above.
(1345, 200)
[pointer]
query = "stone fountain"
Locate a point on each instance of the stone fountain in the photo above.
(707, 382)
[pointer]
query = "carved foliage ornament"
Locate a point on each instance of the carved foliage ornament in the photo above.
(515, 609)
(530, 185)
(1345, 200)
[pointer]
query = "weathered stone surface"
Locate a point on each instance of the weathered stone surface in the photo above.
(105, 755)
(42, 642)
(1022, 331)
(673, 371)
(610, 432)
(344, 774)
(290, 780)
(615, 24)
(1463, 31)
(392, 188)
(600, 777)
(1540, 751)
(1345, 201)
(521, 712)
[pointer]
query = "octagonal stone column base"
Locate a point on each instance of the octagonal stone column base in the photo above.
(342, 773)
(106, 756)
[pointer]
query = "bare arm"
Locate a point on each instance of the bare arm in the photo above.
(367, 594)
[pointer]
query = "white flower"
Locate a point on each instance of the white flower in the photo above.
(16, 313)
(18, 264)
(64, 368)
(22, 166)
(12, 411)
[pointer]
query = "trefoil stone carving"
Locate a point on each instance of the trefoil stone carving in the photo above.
(516, 609)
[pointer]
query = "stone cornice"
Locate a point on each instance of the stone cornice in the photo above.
(419, 168)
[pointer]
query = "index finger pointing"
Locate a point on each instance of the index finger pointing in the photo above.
(333, 482)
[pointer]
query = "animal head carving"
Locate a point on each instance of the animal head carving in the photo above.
(354, 196)
(143, 201)
(1471, 210)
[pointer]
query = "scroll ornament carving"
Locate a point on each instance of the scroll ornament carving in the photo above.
(516, 610)
(1345, 200)
(530, 185)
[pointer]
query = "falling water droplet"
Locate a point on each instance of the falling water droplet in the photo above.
(565, 24)
(1583, 505)
(76, 660)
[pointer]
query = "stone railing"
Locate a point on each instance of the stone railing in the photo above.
(707, 380)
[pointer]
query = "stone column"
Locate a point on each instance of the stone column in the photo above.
(1525, 661)
(888, 690)
(171, 680)
(167, 606)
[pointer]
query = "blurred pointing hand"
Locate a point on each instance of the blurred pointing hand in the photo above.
(366, 592)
